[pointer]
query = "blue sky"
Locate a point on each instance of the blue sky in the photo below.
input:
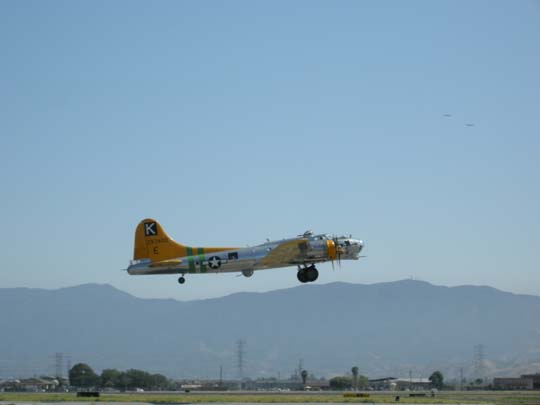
(233, 122)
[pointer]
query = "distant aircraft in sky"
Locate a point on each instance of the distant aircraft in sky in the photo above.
(468, 124)
(157, 253)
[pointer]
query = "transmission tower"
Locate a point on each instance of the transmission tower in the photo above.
(59, 365)
(240, 357)
(300, 368)
(479, 361)
(68, 365)
(221, 377)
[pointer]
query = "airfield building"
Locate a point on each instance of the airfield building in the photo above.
(30, 385)
(507, 383)
(535, 378)
(393, 383)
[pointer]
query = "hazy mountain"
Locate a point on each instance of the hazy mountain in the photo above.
(386, 328)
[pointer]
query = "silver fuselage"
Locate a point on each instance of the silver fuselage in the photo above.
(249, 259)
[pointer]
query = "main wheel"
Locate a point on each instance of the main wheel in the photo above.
(312, 274)
(182, 280)
(301, 275)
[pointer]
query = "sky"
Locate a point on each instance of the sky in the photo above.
(233, 122)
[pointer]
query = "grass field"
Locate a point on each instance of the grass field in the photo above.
(450, 397)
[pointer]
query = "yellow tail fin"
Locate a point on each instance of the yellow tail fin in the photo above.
(152, 242)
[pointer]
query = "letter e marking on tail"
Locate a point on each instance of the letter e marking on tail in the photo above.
(150, 229)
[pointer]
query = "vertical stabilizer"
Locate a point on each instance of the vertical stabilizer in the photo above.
(152, 242)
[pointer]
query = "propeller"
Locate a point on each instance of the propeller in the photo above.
(334, 249)
(339, 251)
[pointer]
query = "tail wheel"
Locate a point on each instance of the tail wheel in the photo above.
(182, 280)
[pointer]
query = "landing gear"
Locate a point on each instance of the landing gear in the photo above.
(307, 274)
(312, 274)
(182, 280)
(247, 273)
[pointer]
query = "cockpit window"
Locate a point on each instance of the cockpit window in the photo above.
(347, 243)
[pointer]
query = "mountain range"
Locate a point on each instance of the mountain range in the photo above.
(384, 329)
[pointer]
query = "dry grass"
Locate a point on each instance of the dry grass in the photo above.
(449, 397)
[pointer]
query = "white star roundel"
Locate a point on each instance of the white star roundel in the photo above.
(214, 262)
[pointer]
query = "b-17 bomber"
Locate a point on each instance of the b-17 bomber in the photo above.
(156, 252)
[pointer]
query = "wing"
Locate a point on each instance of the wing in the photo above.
(290, 252)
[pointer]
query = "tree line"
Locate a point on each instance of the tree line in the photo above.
(82, 375)
(347, 382)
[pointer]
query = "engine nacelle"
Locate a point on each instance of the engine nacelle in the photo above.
(318, 249)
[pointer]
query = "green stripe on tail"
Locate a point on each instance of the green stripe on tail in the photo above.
(200, 251)
(191, 261)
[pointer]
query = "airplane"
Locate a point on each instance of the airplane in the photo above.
(155, 252)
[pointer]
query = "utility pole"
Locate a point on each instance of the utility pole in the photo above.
(410, 380)
(461, 378)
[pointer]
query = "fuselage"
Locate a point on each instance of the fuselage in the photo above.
(314, 249)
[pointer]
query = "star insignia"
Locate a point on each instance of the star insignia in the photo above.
(214, 262)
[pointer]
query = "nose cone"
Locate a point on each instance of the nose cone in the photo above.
(359, 245)
(354, 247)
